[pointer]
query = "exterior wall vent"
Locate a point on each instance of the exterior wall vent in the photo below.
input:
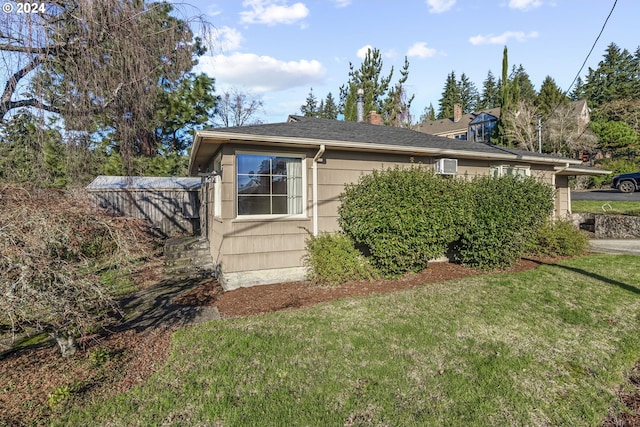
(446, 166)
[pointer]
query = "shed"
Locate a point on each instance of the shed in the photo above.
(170, 204)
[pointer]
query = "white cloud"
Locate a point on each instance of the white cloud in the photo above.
(213, 10)
(524, 4)
(272, 12)
(440, 6)
(225, 39)
(362, 52)
(261, 74)
(342, 3)
(420, 50)
(503, 38)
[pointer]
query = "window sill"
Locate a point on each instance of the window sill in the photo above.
(254, 218)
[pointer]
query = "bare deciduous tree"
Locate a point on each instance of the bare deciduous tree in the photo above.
(523, 129)
(237, 108)
(564, 134)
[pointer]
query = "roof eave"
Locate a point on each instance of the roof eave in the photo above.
(225, 137)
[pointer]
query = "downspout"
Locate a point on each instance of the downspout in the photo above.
(316, 158)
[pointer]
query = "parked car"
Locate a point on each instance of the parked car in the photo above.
(627, 182)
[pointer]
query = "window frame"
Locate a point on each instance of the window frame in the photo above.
(502, 167)
(303, 164)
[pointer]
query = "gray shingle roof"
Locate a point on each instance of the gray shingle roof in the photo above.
(337, 130)
(448, 125)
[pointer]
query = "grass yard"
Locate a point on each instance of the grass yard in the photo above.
(598, 206)
(544, 347)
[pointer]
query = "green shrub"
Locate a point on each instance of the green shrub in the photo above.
(506, 213)
(559, 238)
(332, 259)
(402, 218)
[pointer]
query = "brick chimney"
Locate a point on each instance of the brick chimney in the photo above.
(374, 118)
(457, 112)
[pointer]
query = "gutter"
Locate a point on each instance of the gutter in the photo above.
(224, 137)
(316, 158)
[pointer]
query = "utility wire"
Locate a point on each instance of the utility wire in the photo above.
(592, 47)
(615, 2)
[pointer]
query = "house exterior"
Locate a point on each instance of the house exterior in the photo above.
(170, 204)
(476, 126)
(267, 186)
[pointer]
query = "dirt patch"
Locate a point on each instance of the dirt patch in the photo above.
(113, 362)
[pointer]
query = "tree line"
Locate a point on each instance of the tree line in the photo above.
(82, 97)
(611, 91)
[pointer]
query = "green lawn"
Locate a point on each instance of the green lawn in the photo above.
(544, 347)
(598, 206)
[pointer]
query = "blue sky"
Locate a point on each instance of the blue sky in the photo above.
(280, 49)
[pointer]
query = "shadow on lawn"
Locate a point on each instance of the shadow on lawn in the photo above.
(625, 286)
(163, 306)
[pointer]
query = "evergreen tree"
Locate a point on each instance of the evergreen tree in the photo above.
(310, 108)
(506, 103)
(522, 81)
(429, 113)
(578, 91)
(616, 136)
(184, 106)
(615, 78)
(329, 109)
(549, 98)
(469, 97)
(397, 104)
(369, 78)
(490, 97)
(451, 95)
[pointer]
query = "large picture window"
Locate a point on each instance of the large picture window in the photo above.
(269, 184)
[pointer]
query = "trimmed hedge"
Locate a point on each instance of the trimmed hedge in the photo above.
(506, 213)
(402, 218)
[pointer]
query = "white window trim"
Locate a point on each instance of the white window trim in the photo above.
(303, 159)
(502, 167)
(217, 187)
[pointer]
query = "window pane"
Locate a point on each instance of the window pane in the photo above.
(249, 164)
(280, 205)
(279, 185)
(254, 205)
(279, 165)
(253, 184)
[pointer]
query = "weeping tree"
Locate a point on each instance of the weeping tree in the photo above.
(98, 65)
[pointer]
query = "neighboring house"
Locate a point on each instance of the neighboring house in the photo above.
(476, 127)
(270, 185)
(170, 204)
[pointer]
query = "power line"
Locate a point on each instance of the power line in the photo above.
(592, 47)
(615, 2)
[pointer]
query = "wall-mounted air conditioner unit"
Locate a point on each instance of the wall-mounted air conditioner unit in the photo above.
(447, 166)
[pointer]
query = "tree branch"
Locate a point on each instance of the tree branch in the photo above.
(12, 84)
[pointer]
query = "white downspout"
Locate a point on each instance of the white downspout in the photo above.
(315, 188)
